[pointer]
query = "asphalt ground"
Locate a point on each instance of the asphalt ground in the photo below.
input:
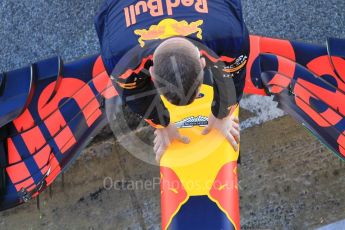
(35, 30)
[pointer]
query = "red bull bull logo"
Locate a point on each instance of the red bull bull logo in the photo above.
(173, 191)
(168, 28)
(224, 192)
(155, 8)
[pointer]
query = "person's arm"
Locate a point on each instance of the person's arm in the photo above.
(229, 80)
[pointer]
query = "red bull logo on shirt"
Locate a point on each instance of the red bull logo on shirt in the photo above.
(168, 28)
(155, 8)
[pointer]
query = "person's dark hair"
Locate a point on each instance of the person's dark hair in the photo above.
(177, 76)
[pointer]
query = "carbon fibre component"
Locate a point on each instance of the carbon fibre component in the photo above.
(16, 87)
(287, 101)
(307, 82)
(64, 113)
(3, 162)
(14, 99)
(62, 107)
(336, 48)
(50, 69)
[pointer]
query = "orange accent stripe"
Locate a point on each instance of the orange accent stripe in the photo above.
(236, 69)
(127, 86)
(129, 72)
(156, 126)
(131, 87)
(214, 60)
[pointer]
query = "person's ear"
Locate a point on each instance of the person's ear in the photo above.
(199, 90)
(152, 72)
(202, 62)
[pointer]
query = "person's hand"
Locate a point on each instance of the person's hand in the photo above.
(228, 126)
(163, 138)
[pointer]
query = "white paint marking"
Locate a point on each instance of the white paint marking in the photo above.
(264, 108)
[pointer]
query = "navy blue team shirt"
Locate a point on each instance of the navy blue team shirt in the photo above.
(130, 30)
